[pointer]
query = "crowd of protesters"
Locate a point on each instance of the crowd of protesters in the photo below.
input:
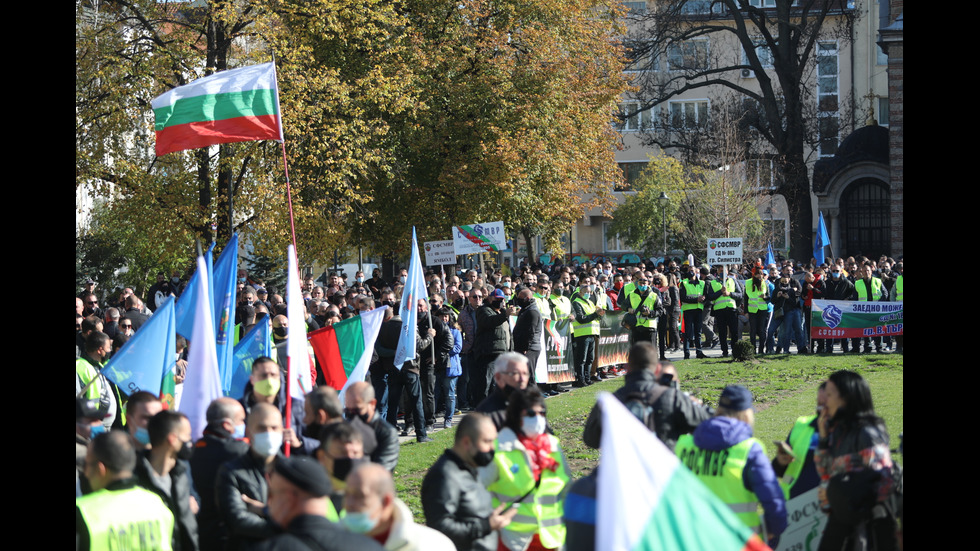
(141, 479)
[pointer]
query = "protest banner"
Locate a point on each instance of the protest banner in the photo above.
(614, 341)
(479, 238)
(558, 349)
(440, 253)
(724, 250)
(805, 523)
(838, 319)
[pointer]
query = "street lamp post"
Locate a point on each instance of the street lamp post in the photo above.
(664, 201)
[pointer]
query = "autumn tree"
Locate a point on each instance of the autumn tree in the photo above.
(680, 46)
(126, 53)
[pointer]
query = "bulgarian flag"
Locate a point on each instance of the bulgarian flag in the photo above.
(646, 500)
(344, 349)
(239, 105)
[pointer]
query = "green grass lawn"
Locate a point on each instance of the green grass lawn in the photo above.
(784, 388)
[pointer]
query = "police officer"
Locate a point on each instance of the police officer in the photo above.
(119, 514)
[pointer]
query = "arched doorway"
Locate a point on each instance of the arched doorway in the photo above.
(866, 218)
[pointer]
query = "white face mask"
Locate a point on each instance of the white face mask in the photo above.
(267, 443)
(534, 425)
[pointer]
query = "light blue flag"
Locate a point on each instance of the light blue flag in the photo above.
(184, 310)
(201, 385)
(257, 342)
(147, 355)
(770, 258)
(822, 241)
(223, 300)
(413, 292)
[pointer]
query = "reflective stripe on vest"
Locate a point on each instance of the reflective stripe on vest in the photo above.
(126, 519)
(541, 511)
(86, 372)
(724, 302)
(862, 290)
(563, 306)
(898, 290)
(757, 299)
(588, 328)
(543, 306)
(693, 291)
(800, 439)
(721, 472)
(650, 302)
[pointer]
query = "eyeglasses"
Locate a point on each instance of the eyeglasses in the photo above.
(93, 302)
(517, 374)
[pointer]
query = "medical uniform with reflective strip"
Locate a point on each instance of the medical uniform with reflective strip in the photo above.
(511, 476)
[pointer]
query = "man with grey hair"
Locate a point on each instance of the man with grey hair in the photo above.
(510, 373)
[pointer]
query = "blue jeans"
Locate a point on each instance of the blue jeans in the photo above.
(792, 326)
(449, 388)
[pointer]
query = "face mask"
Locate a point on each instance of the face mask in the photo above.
(618, 285)
(186, 451)
(642, 288)
(360, 280)
(267, 443)
(359, 523)
(482, 459)
(835, 275)
(534, 425)
(507, 284)
(239, 432)
(343, 467)
(402, 279)
(350, 414)
(267, 387)
(96, 430)
(142, 436)
(281, 332)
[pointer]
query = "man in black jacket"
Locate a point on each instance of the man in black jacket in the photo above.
(838, 287)
(360, 405)
(453, 499)
(163, 470)
(528, 328)
(672, 413)
(493, 338)
(220, 444)
(244, 477)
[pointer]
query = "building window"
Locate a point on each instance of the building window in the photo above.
(642, 56)
(881, 58)
(702, 7)
(631, 174)
(761, 174)
(690, 55)
(632, 119)
(613, 243)
(636, 8)
(689, 113)
(762, 3)
(764, 54)
(827, 98)
(883, 111)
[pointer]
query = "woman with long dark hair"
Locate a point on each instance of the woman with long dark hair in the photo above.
(855, 466)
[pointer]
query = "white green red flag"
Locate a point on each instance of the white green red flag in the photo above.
(646, 500)
(344, 349)
(238, 105)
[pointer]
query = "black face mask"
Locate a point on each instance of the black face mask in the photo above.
(508, 389)
(482, 459)
(496, 304)
(343, 467)
(351, 414)
(186, 451)
(280, 332)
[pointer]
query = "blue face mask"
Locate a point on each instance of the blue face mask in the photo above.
(359, 523)
(642, 288)
(142, 436)
(835, 275)
(96, 430)
(239, 432)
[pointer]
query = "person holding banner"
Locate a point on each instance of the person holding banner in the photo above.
(645, 302)
(868, 288)
(585, 332)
